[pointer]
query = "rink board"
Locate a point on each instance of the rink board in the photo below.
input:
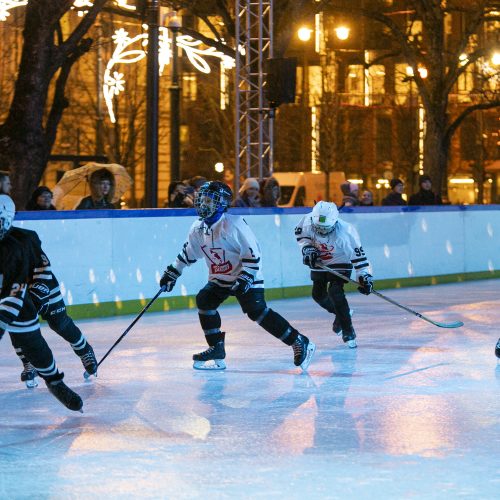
(109, 262)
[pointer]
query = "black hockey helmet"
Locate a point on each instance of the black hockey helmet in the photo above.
(213, 197)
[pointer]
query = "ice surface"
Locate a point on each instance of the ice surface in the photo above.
(412, 413)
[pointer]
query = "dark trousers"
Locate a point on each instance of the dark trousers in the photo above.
(252, 303)
(328, 292)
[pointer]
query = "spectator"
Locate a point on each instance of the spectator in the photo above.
(249, 194)
(270, 192)
(193, 186)
(350, 192)
(102, 189)
(41, 199)
(178, 196)
(5, 184)
(366, 199)
(425, 196)
(395, 198)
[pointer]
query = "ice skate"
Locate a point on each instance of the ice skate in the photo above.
(350, 338)
(497, 349)
(88, 358)
(336, 324)
(28, 376)
(303, 351)
(211, 359)
(64, 394)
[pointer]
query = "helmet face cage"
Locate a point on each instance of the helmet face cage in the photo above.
(7, 212)
(212, 197)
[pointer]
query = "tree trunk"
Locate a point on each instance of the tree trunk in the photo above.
(436, 150)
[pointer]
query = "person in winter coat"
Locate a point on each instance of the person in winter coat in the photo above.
(395, 198)
(350, 191)
(248, 195)
(425, 196)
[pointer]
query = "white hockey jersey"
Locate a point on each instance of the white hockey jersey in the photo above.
(340, 250)
(229, 248)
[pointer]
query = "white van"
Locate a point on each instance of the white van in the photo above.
(303, 189)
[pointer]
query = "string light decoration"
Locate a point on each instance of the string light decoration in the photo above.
(124, 53)
(6, 5)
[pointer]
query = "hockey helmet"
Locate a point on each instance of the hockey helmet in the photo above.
(212, 198)
(324, 216)
(7, 213)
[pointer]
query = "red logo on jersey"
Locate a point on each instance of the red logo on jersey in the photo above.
(325, 251)
(217, 257)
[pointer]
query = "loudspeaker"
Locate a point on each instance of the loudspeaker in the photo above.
(281, 80)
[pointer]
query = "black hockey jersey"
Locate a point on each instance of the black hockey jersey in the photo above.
(18, 314)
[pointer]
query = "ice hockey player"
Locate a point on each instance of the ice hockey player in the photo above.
(233, 257)
(18, 314)
(46, 296)
(326, 239)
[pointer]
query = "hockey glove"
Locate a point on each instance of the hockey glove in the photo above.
(169, 278)
(366, 282)
(309, 256)
(40, 295)
(242, 284)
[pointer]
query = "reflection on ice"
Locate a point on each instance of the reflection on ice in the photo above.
(413, 409)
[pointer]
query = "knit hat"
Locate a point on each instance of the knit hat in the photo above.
(250, 182)
(395, 182)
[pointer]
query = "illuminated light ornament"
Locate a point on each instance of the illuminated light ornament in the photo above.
(6, 5)
(114, 82)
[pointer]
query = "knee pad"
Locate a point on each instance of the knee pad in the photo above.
(275, 324)
(209, 320)
(36, 351)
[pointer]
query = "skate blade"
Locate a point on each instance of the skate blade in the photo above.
(215, 364)
(31, 384)
(352, 344)
(311, 348)
(87, 375)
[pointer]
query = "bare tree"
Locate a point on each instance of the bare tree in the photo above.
(29, 131)
(445, 57)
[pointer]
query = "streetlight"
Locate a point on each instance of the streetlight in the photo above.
(342, 32)
(174, 26)
(152, 97)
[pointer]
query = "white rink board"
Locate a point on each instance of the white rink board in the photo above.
(119, 255)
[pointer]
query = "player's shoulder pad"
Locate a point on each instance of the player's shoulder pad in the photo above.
(20, 234)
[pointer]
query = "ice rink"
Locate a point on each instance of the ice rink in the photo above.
(412, 413)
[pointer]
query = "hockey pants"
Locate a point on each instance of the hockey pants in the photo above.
(252, 303)
(328, 292)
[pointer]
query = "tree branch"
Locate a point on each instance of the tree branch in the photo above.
(453, 126)
(59, 101)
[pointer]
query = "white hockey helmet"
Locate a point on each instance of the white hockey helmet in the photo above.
(324, 216)
(7, 213)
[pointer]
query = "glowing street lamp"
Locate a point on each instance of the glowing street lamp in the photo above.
(304, 34)
(495, 58)
(342, 32)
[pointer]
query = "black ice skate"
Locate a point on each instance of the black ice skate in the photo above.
(303, 351)
(28, 376)
(350, 338)
(64, 394)
(497, 349)
(88, 358)
(336, 324)
(211, 359)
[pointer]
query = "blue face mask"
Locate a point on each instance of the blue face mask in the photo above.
(209, 221)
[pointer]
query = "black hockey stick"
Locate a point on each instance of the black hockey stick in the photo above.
(86, 375)
(455, 324)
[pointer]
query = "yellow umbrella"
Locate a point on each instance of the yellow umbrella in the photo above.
(74, 184)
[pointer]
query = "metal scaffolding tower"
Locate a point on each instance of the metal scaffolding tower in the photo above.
(254, 118)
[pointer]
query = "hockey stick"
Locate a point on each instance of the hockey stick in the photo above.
(455, 324)
(86, 375)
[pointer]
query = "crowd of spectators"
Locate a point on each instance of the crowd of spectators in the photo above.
(253, 193)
